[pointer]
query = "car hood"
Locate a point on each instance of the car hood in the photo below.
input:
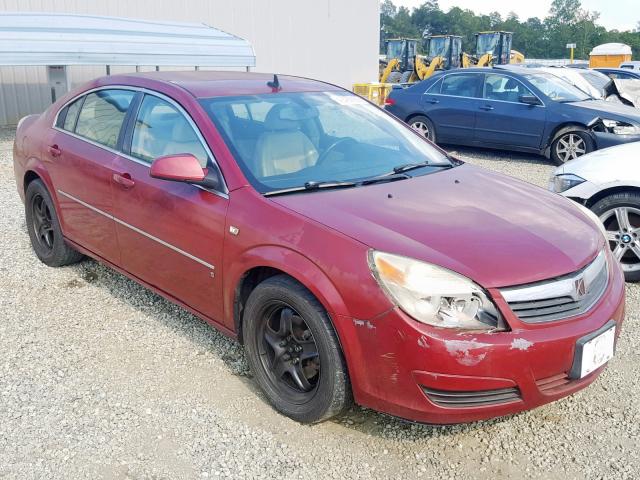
(614, 111)
(613, 164)
(492, 228)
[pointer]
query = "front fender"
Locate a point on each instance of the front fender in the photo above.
(288, 261)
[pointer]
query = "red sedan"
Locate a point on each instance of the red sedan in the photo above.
(353, 259)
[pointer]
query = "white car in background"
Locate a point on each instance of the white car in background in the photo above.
(608, 183)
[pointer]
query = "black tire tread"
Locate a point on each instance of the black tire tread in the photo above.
(62, 253)
(341, 397)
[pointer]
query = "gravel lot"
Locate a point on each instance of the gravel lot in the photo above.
(100, 378)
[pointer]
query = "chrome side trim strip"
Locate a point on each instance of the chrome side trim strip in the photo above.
(137, 230)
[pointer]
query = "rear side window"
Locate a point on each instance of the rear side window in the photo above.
(461, 85)
(68, 115)
(102, 115)
(435, 87)
(161, 129)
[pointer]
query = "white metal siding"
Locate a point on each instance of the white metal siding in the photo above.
(331, 40)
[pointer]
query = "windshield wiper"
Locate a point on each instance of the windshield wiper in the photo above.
(310, 186)
(400, 169)
(409, 166)
(387, 177)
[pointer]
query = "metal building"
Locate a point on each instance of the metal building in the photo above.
(331, 40)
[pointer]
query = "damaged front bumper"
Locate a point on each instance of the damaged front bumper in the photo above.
(445, 376)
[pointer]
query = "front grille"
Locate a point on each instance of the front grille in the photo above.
(477, 398)
(550, 385)
(561, 297)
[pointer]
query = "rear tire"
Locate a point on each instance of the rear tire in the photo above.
(394, 77)
(571, 145)
(44, 228)
(424, 127)
(294, 353)
(620, 213)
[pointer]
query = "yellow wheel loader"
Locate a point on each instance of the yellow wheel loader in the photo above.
(492, 48)
(399, 63)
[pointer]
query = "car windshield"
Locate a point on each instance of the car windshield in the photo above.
(597, 79)
(291, 140)
(556, 88)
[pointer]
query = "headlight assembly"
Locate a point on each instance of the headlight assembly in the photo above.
(565, 181)
(621, 128)
(434, 295)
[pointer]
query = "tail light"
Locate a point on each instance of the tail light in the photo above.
(389, 101)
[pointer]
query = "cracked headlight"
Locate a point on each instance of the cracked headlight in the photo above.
(621, 128)
(434, 295)
(565, 181)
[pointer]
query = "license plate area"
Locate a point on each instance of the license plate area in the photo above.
(593, 351)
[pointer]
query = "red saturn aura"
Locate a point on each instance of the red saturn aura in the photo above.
(353, 259)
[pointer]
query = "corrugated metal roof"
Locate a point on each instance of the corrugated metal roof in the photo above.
(62, 39)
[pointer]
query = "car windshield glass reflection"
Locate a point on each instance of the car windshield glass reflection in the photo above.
(556, 89)
(287, 140)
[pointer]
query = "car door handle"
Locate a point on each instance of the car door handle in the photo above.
(54, 150)
(124, 180)
(433, 101)
(486, 107)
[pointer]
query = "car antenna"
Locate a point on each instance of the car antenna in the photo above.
(274, 84)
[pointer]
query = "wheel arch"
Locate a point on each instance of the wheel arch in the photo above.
(264, 262)
(611, 191)
(564, 128)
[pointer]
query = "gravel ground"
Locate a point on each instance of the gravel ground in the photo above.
(100, 378)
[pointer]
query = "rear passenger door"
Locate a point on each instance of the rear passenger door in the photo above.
(170, 233)
(502, 120)
(81, 149)
(452, 108)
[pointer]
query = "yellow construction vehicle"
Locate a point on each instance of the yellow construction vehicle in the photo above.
(399, 63)
(492, 48)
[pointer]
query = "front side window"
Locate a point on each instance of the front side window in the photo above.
(102, 115)
(506, 89)
(461, 85)
(555, 88)
(161, 129)
(316, 137)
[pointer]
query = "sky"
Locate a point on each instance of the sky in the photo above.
(620, 14)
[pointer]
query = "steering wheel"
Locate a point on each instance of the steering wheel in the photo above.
(341, 141)
(552, 95)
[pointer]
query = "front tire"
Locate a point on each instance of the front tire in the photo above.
(620, 214)
(44, 228)
(571, 145)
(294, 353)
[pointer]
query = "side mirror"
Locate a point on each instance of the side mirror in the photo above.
(183, 167)
(530, 100)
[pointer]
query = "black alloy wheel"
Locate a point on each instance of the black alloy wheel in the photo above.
(289, 353)
(294, 352)
(42, 222)
(44, 229)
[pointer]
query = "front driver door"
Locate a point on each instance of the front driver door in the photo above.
(502, 120)
(170, 233)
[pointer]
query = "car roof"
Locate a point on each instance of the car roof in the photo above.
(208, 83)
